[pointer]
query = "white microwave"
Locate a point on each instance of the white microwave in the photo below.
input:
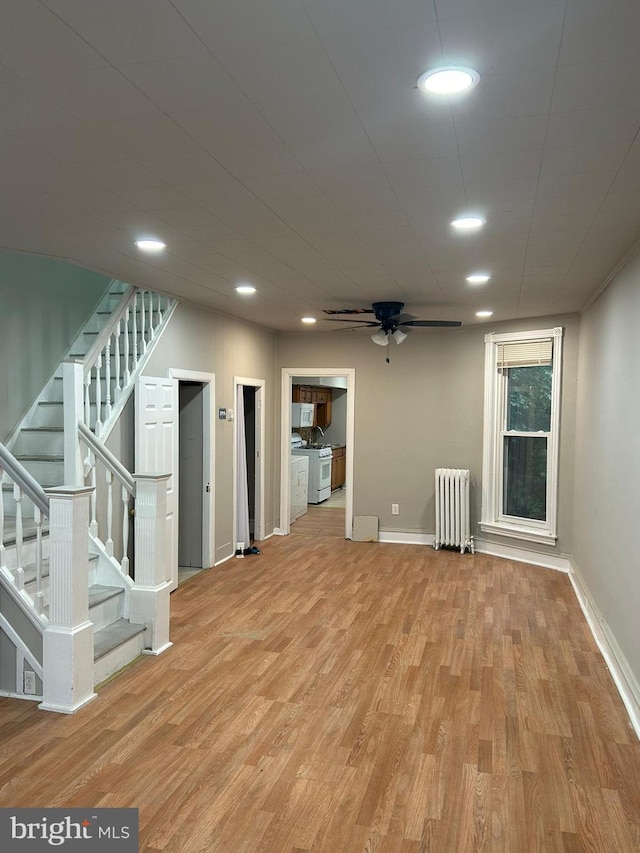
(302, 414)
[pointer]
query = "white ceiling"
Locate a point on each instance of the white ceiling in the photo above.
(284, 143)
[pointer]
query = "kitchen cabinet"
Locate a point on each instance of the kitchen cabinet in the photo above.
(338, 467)
(323, 414)
(301, 394)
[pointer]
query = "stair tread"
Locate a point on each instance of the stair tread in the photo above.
(98, 593)
(42, 428)
(40, 457)
(114, 635)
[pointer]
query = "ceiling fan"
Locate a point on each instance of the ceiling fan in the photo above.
(389, 319)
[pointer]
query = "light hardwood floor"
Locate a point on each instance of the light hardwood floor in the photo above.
(336, 696)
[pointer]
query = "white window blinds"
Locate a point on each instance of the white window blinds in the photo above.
(524, 353)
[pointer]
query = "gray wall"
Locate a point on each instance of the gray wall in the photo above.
(607, 493)
(425, 410)
(43, 304)
(337, 432)
(197, 339)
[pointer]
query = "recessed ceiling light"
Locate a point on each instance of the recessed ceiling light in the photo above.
(468, 223)
(151, 245)
(308, 319)
(484, 313)
(478, 278)
(448, 80)
(245, 289)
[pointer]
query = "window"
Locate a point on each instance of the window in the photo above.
(521, 420)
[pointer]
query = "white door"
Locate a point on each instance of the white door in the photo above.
(156, 449)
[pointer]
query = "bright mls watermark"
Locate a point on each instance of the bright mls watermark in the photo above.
(102, 830)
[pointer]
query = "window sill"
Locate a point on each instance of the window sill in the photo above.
(525, 533)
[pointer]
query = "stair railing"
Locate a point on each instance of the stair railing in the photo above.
(24, 485)
(149, 582)
(118, 504)
(116, 357)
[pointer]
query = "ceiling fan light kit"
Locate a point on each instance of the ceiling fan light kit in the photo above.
(390, 320)
(381, 338)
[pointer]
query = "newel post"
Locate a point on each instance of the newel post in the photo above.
(73, 409)
(149, 598)
(67, 654)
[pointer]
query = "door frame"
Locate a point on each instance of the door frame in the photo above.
(287, 375)
(259, 385)
(208, 381)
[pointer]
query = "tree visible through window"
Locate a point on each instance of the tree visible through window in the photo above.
(521, 423)
(525, 456)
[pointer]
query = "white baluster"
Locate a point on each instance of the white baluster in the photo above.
(152, 328)
(161, 300)
(93, 524)
(107, 380)
(18, 495)
(109, 542)
(39, 602)
(98, 396)
(127, 372)
(125, 531)
(87, 400)
(2, 565)
(116, 364)
(135, 329)
(143, 342)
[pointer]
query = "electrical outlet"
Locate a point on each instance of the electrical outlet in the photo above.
(29, 682)
(395, 509)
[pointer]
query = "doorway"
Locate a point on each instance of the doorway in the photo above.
(288, 375)
(196, 395)
(249, 474)
(190, 497)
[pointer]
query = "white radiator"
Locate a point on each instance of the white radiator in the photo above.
(452, 509)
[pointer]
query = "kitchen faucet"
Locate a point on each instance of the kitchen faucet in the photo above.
(321, 430)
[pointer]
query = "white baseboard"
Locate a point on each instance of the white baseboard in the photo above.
(618, 666)
(402, 537)
(223, 560)
(523, 555)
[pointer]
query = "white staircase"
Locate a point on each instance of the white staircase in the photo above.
(109, 354)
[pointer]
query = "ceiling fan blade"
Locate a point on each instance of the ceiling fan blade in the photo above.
(347, 310)
(437, 323)
(364, 322)
(352, 328)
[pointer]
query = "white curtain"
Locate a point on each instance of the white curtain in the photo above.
(242, 493)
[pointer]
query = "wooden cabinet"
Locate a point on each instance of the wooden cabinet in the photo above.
(338, 467)
(301, 394)
(321, 398)
(323, 414)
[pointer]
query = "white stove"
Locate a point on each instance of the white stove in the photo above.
(319, 467)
